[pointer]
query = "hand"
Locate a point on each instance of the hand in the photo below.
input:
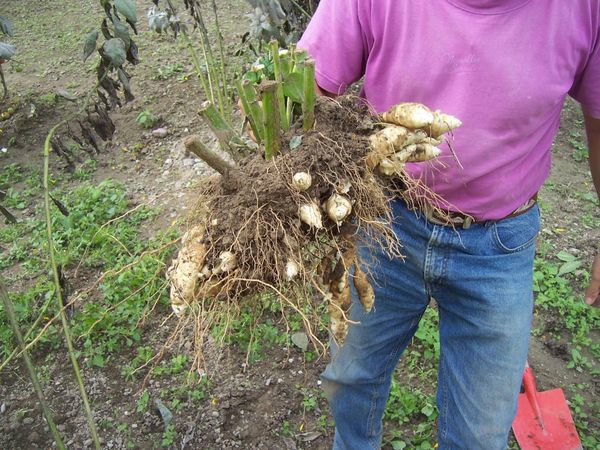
(592, 293)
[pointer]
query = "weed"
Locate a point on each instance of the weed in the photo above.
(146, 119)
(168, 71)
(168, 436)
(142, 403)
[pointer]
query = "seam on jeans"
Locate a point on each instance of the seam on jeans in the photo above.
(428, 265)
(444, 412)
(381, 380)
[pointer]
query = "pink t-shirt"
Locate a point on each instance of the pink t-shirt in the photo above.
(503, 67)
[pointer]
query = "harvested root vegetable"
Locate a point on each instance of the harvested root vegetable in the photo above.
(291, 270)
(390, 167)
(423, 152)
(311, 215)
(365, 291)
(301, 181)
(228, 262)
(338, 208)
(442, 123)
(390, 140)
(185, 270)
(409, 115)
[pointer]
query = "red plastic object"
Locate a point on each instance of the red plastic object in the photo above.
(543, 420)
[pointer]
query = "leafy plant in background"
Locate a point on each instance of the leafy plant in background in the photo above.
(7, 51)
(117, 49)
(283, 20)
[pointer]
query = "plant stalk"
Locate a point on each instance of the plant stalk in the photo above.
(226, 135)
(252, 108)
(59, 298)
(10, 313)
(212, 158)
(308, 104)
(274, 45)
(270, 104)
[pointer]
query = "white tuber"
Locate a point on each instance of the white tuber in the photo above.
(338, 208)
(442, 123)
(388, 167)
(409, 115)
(301, 181)
(309, 214)
(291, 269)
(228, 262)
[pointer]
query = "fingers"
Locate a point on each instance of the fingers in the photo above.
(592, 293)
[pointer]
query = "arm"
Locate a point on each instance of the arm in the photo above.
(592, 128)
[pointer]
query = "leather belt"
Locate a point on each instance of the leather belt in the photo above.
(454, 218)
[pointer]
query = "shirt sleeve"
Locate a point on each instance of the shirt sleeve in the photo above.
(586, 89)
(336, 39)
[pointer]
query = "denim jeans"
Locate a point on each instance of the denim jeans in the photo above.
(481, 279)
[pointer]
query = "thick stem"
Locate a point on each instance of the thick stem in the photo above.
(308, 105)
(54, 267)
(251, 108)
(274, 45)
(226, 135)
(10, 313)
(212, 158)
(268, 91)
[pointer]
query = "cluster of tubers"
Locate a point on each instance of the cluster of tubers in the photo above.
(411, 132)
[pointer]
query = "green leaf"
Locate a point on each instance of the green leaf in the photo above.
(89, 45)
(565, 256)
(6, 26)
(293, 87)
(127, 8)
(568, 267)
(114, 49)
(398, 445)
(122, 32)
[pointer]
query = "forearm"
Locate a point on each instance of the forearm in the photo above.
(592, 128)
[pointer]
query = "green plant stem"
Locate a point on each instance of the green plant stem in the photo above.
(210, 60)
(279, 79)
(252, 108)
(196, 63)
(59, 298)
(10, 312)
(226, 135)
(308, 104)
(39, 318)
(270, 104)
(224, 83)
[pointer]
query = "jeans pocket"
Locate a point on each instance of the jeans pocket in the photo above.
(517, 233)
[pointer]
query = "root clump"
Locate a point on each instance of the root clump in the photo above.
(292, 223)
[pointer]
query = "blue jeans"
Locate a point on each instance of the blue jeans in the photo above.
(481, 279)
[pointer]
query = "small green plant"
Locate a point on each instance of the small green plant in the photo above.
(168, 436)
(146, 119)
(169, 71)
(142, 403)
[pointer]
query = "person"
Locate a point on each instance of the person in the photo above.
(503, 67)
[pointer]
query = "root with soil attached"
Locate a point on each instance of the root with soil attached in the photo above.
(293, 222)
